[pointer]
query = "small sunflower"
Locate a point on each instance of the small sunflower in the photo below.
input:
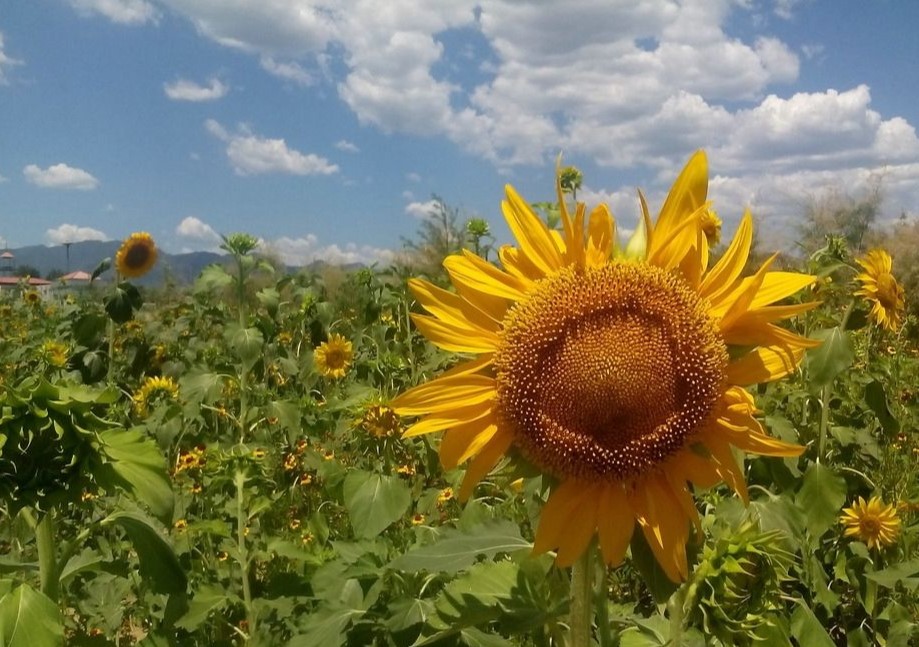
(380, 421)
(711, 226)
(136, 256)
(333, 357)
(32, 297)
(873, 522)
(155, 388)
(619, 372)
(881, 289)
(54, 353)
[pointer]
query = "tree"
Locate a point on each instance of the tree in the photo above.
(27, 270)
(440, 233)
(839, 213)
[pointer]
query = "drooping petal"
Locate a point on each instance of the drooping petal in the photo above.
(763, 364)
(464, 441)
(456, 338)
(485, 461)
(531, 232)
(615, 523)
(449, 418)
(663, 523)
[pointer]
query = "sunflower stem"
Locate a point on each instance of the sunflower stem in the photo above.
(243, 551)
(602, 601)
(580, 619)
(47, 558)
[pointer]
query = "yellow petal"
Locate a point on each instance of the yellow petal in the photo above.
(579, 529)
(640, 241)
(464, 441)
(483, 463)
(445, 393)
(778, 285)
(687, 195)
(449, 419)
(750, 332)
(451, 308)
(531, 232)
(459, 339)
(615, 523)
(731, 264)
(763, 364)
(741, 299)
(518, 263)
(601, 232)
(481, 276)
(563, 502)
(664, 525)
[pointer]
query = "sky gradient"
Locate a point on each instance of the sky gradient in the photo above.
(324, 128)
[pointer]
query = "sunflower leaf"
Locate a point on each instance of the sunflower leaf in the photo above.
(821, 496)
(831, 358)
(374, 501)
(876, 398)
(29, 618)
(458, 550)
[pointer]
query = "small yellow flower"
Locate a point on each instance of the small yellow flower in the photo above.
(445, 495)
(711, 226)
(417, 519)
(405, 470)
(874, 523)
(294, 524)
(258, 453)
(32, 297)
(196, 488)
(380, 421)
(333, 357)
(328, 455)
(54, 353)
(306, 479)
(291, 463)
(307, 538)
(284, 338)
(223, 555)
(136, 256)
(87, 496)
(180, 525)
(881, 289)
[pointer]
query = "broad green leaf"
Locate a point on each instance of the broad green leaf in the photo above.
(86, 560)
(876, 398)
(206, 600)
(29, 618)
(158, 561)
(474, 598)
(821, 497)
(374, 501)
(199, 386)
(807, 629)
(829, 359)
(246, 343)
(212, 279)
(287, 413)
(906, 573)
(476, 638)
(458, 550)
(135, 463)
(407, 613)
(122, 302)
(328, 625)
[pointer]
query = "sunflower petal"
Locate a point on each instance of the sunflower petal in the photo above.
(479, 275)
(451, 308)
(563, 500)
(455, 338)
(462, 442)
(484, 462)
(444, 394)
(731, 264)
(448, 419)
(530, 232)
(764, 364)
(615, 523)
(664, 525)
(688, 194)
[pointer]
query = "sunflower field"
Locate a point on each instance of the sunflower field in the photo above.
(592, 440)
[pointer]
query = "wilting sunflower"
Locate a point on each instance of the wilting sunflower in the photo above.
(333, 357)
(620, 373)
(136, 256)
(155, 388)
(881, 289)
(873, 522)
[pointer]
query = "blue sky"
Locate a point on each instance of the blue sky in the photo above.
(325, 127)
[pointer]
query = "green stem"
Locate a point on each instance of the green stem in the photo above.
(825, 396)
(602, 604)
(110, 328)
(581, 587)
(48, 567)
(675, 609)
(243, 558)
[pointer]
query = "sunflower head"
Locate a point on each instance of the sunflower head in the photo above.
(871, 522)
(333, 357)
(155, 389)
(380, 421)
(711, 226)
(54, 353)
(618, 370)
(32, 297)
(879, 286)
(136, 256)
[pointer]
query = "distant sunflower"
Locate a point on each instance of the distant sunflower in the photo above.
(32, 297)
(873, 522)
(155, 388)
(136, 256)
(380, 421)
(609, 369)
(711, 226)
(333, 357)
(881, 288)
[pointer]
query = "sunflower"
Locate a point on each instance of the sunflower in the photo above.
(380, 421)
(155, 388)
(873, 522)
(881, 289)
(619, 373)
(55, 353)
(136, 256)
(711, 226)
(333, 357)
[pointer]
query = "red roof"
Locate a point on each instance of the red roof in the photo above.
(15, 280)
(79, 275)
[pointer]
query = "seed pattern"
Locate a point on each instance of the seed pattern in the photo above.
(604, 373)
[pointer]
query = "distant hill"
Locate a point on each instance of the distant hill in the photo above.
(180, 268)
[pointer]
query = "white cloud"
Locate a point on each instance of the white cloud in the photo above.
(196, 229)
(68, 233)
(413, 177)
(307, 249)
(6, 62)
(3, 178)
(60, 176)
(345, 145)
(184, 90)
(125, 12)
(289, 71)
(253, 155)
(421, 210)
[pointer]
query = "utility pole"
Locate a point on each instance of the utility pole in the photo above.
(67, 247)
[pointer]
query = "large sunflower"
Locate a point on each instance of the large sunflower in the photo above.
(136, 256)
(880, 287)
(620, 373)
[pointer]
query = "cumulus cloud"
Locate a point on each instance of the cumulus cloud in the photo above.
(60, 176)
(421, 210)
(196, 229)
(346, 146)
(307, 249)
(251, 154)
(184, 90)
(289, 71)
(67, 233)
(125, 12)
(6, 63)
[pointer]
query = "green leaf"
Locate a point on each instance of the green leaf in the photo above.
(246, 343)
(830, 358)
(374, 501)
(287, 413)
(158, 561)
(121, 304)
(327, 626)
(475, 597)
(29, 618)
(876, 398)
(135, 463)
(200, 386)
(212, 279)
(821, 497)
(407, 613)
(86, 560)
(476, 638)
(458, 550)
(660, 586)
(103, 265)
(905, 572)
(806, 628)
(206, 600)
